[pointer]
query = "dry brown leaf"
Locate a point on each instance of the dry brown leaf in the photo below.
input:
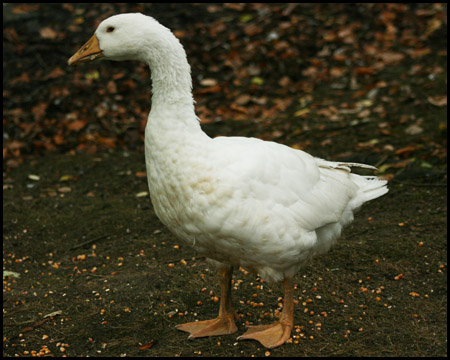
(391, 57)
(76, 125)
(55, 73)
(148, 346)
(48, 33)
(417, 53)
(39, 110)
(438, 100)
(210, 89)
(58, 139)
(406, 150)
(364, 70)
(253, 29)
(111, 86)
(337, 71)
(108, 142)
(243, 99)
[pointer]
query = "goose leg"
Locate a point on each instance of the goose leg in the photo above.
(224, 323)
(278, 333)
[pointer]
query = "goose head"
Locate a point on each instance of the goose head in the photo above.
(120, 37)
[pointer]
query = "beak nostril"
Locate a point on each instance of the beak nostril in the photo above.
(89, 51)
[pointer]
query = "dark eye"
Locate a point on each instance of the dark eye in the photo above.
(110, 29)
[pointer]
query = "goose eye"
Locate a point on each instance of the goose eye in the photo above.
(110, 29)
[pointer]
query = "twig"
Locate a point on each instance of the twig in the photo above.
(89, 241)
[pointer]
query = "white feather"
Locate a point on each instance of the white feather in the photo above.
(239, 201)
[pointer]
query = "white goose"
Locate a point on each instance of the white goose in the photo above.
(239, 201)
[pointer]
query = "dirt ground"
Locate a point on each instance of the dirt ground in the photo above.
(89, 270)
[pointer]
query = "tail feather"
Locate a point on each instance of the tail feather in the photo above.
(370, 187)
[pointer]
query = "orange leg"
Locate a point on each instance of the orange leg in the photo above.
(278, 333)
(224, 323)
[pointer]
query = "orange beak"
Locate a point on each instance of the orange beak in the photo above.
(88, 52)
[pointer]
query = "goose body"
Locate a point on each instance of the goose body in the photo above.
(238, 201)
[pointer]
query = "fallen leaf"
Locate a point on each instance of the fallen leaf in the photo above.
(257, 80)
(241, 109)
(253, 29)
(208, 82)
(391, 57)
(142, 194)
(55, 73)
(10, 273)
(210, 89)
(243, 99)
(246, 18)
(24, 77)
(413, 129)
(108, 142)
(364, 113)
(92, 75)
(406, 150)
(148, 346)
(433, 25)
(58, 312)
(364, 70)
(284, 81)
(39, 110)
(438, 100)
(368, 144)
(66, 178)
(301, 112)
(76, 125)
(48, 33)
(337, 71)
(426, 165)
(65, 189)
(111, 86)
(58, 139)
(417, 53)
(24, 9)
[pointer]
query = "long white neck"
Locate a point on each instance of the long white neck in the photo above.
(172, 100)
